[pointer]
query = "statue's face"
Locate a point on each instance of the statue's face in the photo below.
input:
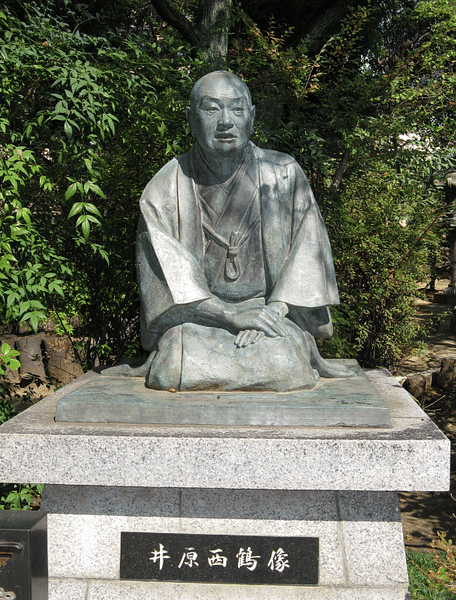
(222, 116)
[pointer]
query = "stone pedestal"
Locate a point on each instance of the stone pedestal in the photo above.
(338, 484)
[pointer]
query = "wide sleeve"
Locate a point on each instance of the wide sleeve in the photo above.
(306, 278)
(168, 273)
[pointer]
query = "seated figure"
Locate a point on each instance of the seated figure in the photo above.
(234, 263)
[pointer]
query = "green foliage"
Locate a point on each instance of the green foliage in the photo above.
(382, 225)
(443, 575)
(383, 217)
(432, 575)
(378, 283)
(20, 496)
(85, 122)
(62, 325)
(90, 113)
(8, 359)
(7, 410)
(310, 101)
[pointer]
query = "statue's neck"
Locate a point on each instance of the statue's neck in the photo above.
(223, 167)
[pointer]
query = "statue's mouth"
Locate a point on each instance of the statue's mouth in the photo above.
(225, 137)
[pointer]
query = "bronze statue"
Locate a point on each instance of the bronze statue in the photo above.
(234, 263)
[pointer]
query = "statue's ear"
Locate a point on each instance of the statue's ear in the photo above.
(252, 118)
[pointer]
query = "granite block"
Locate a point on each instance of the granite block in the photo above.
(413, 455)
(227, 512)
(405, 463)
(85, 546)
(120, 501)
(191, 503)
(373, 520)
(107, 590)
(88, 547)
(274, 505)
(382, 507)
(67, 589)
(386, 565)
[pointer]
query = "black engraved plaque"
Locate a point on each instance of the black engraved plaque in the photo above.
(219, 558)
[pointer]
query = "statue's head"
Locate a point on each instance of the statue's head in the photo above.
(221, 114)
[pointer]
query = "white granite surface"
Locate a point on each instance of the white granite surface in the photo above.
(108, 590)
(411, 456)
(86, 547)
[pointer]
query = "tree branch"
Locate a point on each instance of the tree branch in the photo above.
(180, 23)
(340, 171)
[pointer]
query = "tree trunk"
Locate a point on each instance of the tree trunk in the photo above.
(210, 31)
(62, 364)
(340, 171)
(31, 357)
(215, 21)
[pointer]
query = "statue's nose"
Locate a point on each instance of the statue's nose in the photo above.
(225, 120)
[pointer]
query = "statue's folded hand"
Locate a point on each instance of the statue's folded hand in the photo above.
(247, 338)
(262, 319)
(243, 318)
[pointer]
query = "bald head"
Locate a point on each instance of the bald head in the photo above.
(219, 78)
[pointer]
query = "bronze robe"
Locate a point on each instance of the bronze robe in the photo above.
(297, 269)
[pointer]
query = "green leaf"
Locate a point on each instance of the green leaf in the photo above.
(76, 209)
(81, 220)
(86, 229)
(6, 348)
(55, 287)
(34, 322)
(68, 129)
(14, 364)
(96, 189)
(61, 107)
(71, 191)
(12, 298)
(24, 307)
(91, 208)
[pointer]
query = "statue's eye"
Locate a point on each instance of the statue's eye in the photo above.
(211, 109)
(239, 110)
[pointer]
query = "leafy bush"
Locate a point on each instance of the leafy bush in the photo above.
(381, 226)
(433, 575)
(17, 496)
(382, 214)
(88, 118)
(85, 122)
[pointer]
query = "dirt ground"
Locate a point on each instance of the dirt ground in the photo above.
(426, 514)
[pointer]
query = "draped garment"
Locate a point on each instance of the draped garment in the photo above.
(291, 254)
